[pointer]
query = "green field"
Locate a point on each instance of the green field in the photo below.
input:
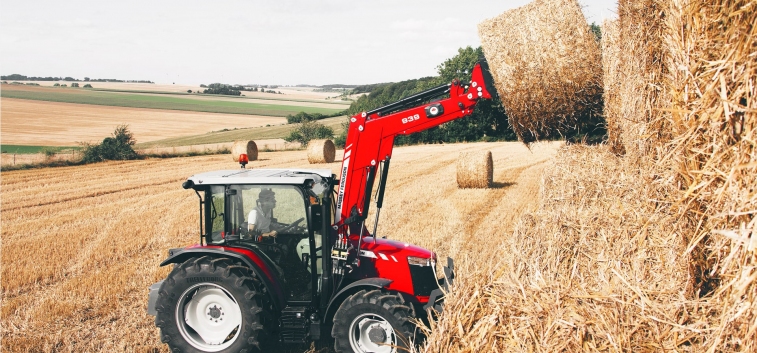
(256, 133)
(80, 96)
(20, 149)
(273, 97)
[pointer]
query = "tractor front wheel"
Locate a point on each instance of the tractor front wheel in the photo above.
(373, 321)
(211, 305)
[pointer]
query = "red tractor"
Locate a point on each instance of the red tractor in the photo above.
(285, 254)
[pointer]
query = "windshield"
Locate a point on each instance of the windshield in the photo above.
(265, 208)
(250, 210)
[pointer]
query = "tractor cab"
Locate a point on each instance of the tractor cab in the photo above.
(275, 214)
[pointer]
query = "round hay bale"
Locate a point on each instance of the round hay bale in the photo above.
(321, 151)
(244, 147)
(547, 67)
(475, 169)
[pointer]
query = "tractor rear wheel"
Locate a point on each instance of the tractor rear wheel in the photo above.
(212, 305)
(373, 321)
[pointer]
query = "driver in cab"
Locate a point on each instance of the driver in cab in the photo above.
(259, 219)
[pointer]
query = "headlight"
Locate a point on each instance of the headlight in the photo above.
(418, 261)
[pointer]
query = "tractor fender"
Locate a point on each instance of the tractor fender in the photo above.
(177, 256)
(373, 283)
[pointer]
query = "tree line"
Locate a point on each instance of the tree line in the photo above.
(234, 90)
(17, 77)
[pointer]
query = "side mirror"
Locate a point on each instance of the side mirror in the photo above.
(316, 217)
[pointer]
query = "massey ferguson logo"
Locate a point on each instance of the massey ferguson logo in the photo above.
(343, 183)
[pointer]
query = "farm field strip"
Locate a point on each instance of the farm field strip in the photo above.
(290, 93)
(267, 98)
(96, 250)
(28, 122)
(256, 133)
(156, 101)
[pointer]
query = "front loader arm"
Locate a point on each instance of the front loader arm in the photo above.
(370, 138)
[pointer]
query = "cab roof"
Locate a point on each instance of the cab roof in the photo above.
(258, 176)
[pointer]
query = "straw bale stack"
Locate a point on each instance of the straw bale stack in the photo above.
(321, 151)
(658, 245)
(639, 74)
(546, 66)
(244, 147)
(712, 49)
(475, 169)
(610, 64)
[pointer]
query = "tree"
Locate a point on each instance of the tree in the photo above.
(117, 147)
(596, 30)
(302, 117)
(74, 84)
(309, 130)
(219, 88)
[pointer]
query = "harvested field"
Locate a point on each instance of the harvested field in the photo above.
(64, 124)
(258, 133)
(203, 103)
(288, 92)
(97, 243)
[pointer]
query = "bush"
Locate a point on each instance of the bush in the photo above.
(88, 86)
(117, 147)
(49, 153)
(56, 85)
(309, 130)
(302, 117)
(341, 140)
(74, 84)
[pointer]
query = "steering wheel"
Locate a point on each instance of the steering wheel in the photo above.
(291, 225)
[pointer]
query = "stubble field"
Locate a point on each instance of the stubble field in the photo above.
(82, 244)
(30, 122)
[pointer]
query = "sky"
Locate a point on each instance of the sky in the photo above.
(284, 42)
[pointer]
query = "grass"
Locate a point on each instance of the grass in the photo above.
(134, 100)
(256, 133)
(21, 149)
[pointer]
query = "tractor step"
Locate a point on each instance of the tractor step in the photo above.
(294, 324)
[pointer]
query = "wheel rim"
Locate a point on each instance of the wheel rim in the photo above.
(208, 317)
(372, 333)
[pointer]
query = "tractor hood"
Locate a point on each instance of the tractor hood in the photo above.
(392, 250)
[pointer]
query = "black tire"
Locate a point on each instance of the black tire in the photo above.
(221, 276)
(372, 306)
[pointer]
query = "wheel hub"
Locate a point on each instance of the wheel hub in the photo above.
(372, 333)
(208, 317)
(377, 334)
(215, 313)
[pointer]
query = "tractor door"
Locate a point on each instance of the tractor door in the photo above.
(283, 209)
